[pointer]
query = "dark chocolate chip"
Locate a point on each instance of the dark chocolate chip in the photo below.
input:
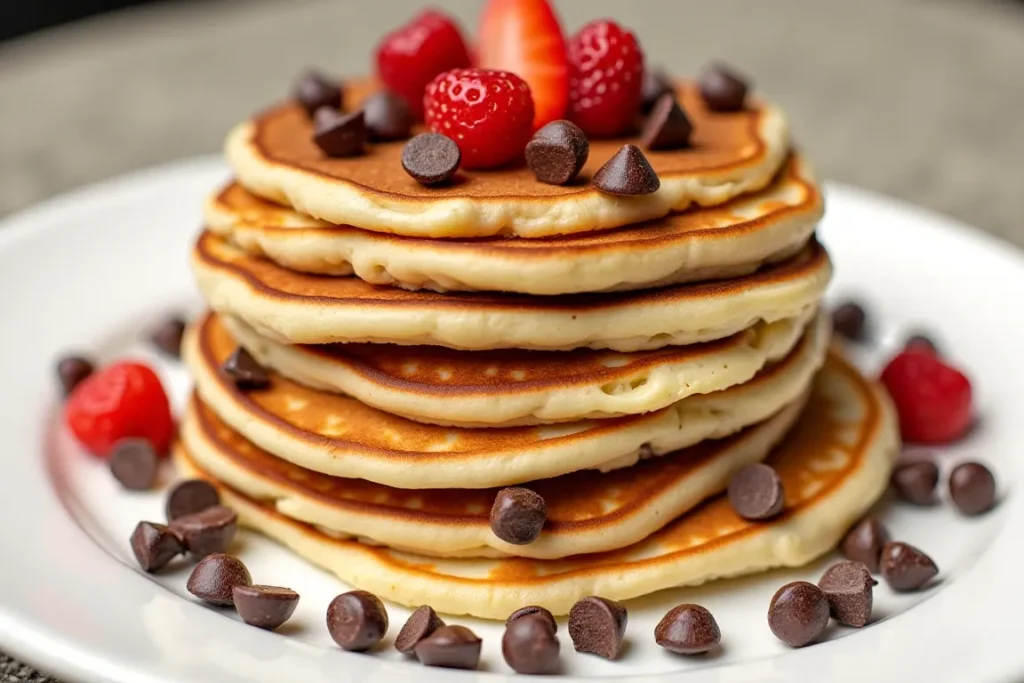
(242, 369)
(431, 158)
(167, 336)
(135, 464)
(155, 545)
(688, 630)
(850, 321)
(215, 577)
(314, 90)
(597, 626)
(387, 117)
(798, 613)
(71, 370)
(922, 342)
(972, 488)
(339, 135)
(452, 647)
(848, 587)
(656, 83)
(755, 492)
(264, 606)
(207, 532)
(357, 620)
(667, 126)
(529, 646)
(518, 515)
(557, 152)
(418, 626)
(905, 568)
(915, 482)
(190, 496)
(863, 543)
(530, 610)
(722, 88)
(628, 173)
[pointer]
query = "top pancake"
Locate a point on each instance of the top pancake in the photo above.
(273, 155)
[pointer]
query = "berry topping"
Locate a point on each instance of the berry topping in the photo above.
(489, 114)
(606, 69)
(409, 57)
(933, 399)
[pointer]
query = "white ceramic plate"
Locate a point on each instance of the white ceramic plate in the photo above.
(94, 269)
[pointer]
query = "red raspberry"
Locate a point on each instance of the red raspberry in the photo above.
(489, 114)
(409, 57)
(606, 68)
(933, 399)
(122, 400)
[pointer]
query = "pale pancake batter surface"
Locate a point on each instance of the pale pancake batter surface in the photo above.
(834, 466)
(340, 436)
(299, 308)
(274, 156)
(729, 240)
(586, 511)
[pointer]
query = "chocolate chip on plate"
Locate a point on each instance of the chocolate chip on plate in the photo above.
(154, 545)
(722, 88)
(755, 492)
(452, 647)
(656, 83)
(190, 496)
(921, 341)
(531, 610)
(529, 645)
(215, 577)
(357, 620)
(134, 463)
(313, 90)
(557, 152)
(915, 482)
(628, 173)
(863, 543)
(905, 568)
(848, 586)
(667, 126)
(798, 613)
(339, 135)
(420, 624)
(167, 336)
(597, 626)
(518, 515)
(688, 630)
(207, 532)
(972, 488)
(849, 320)
(264, 606)
(71, 370)
(387, 117)
(431, 158)
(242, 369)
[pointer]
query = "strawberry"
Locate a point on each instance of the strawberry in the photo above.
(409, 57)
(524, 37)
(489, 114)
(932, 398)
(606, 69)
(122, 400)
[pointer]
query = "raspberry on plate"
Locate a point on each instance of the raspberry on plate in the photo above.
(606, 69)
(489, 114)
(932, 398)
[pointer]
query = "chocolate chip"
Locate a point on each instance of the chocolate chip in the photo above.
(557, 152)
(972, 488)
(529, 645)
(264, 606)
(387, 117)
(207, 532)
(850, 320)
(921, 342)
(597, 626)
(314, 90)
(71, 370)
(155, 545)
(688, 630)
(667, 126)
(215, 577)
(357, 620)
(431, 158)
(798, 613)
(863, 543)
(915, 482)
(532, 610)
(418, 626)
(452, 647)
(656, 83)
(628, 173)
(134, 463)
(242, 369)
(906, 568)
(518, 515)
(722, 88)
(755, 492)
(339, 135)
(190, 496)
(848, 587)
(167, 336)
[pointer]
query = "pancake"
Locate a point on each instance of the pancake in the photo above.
(273, 156)
(703, 244)
(834, 466)
(586, 511)
(509, 387)
(297, 308)
(340, 436)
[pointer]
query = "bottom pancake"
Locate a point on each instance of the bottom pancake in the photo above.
(834, 466)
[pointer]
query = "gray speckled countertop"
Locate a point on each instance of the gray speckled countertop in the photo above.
(920, 100)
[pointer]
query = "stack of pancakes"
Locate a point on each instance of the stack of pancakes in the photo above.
(398, 354)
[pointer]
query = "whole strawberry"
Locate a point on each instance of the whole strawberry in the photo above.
(933, 399)
(606, 69)
(489, 114)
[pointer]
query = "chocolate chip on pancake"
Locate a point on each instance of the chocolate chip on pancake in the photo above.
(134, 463)
(340, 135)
(167, 336)
(529, 646)
(215, 577)
(264, 606)
(972, 488)
(905, 568)
(453, 647)
(313, 90)
(387, 117)
(531, 610)
(755, 492)
(848, 587)
(722, 88)
(190, 496)
(245, 372)
(863, 543)
(628, 173)
(154, 545)
(597, 626)
(688, 630)
(518, 515)
(357, 620)
(915, 482)
(557, 152)
(667, 126)
(420, 624)
(431, 158)
(798, 613)
(656, 83)
(71, 370)
(849, 320)
(208, 532)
